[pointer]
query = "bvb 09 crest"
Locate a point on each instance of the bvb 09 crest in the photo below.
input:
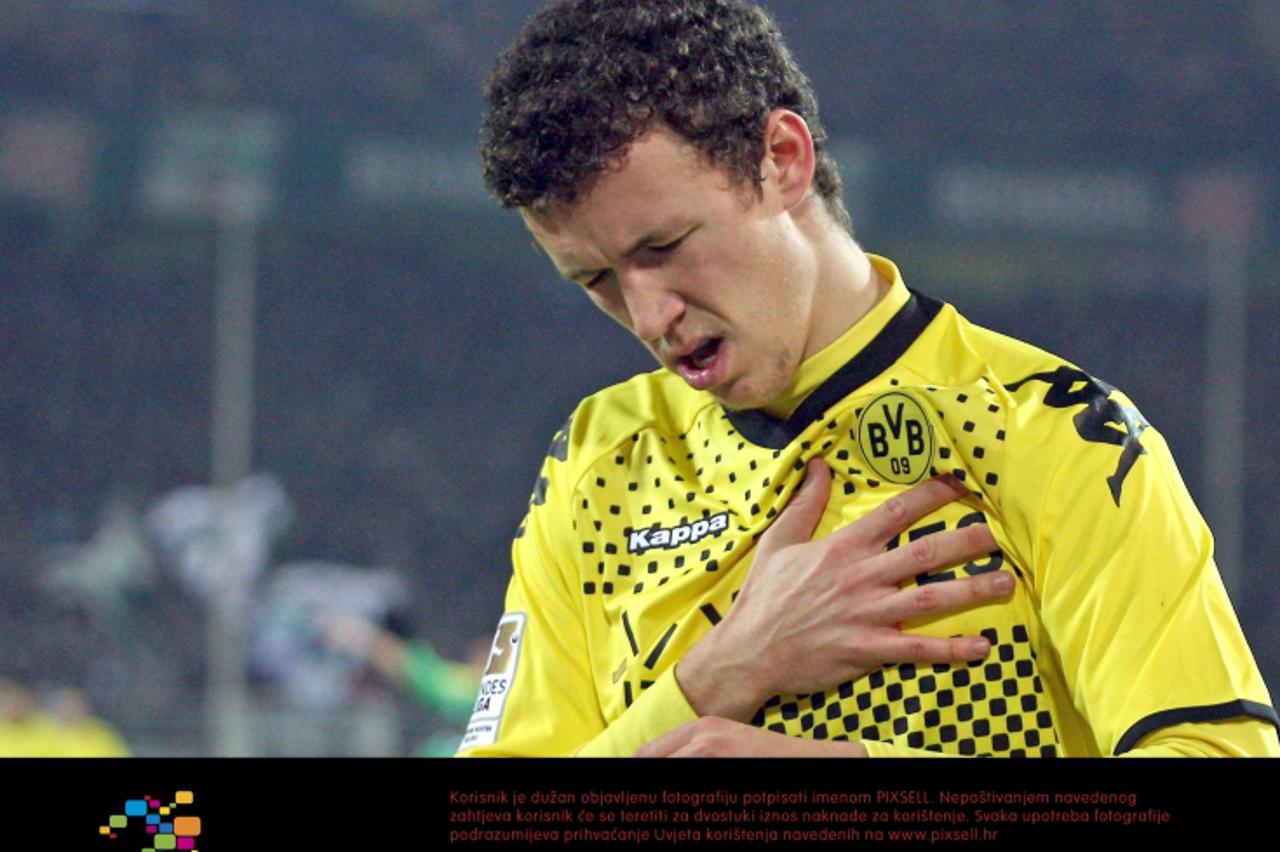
(896, 438)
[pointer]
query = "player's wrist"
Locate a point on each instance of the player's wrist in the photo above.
(805, 747)
(718, 682)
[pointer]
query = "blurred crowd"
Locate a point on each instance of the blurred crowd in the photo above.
(982, 75)
(62, 725)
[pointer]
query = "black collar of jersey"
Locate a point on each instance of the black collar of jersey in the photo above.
(765, 430)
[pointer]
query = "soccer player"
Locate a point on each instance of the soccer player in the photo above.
(840, 519)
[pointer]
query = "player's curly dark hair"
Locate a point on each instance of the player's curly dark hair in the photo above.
(586, 77)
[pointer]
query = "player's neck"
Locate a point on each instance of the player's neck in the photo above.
(847, 288)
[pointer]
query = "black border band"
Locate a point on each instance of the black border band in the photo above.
(765, 430)
(1204, 713)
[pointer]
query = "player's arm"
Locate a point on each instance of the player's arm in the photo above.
(1122, 561)
(712, 736)
(539, 696)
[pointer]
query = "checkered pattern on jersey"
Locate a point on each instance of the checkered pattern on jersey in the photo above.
(995, 706)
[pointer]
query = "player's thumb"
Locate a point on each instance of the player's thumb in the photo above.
(798, 521)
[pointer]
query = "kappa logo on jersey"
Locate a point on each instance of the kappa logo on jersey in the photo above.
(1103, 420)
(672, 537)
(495, 685)
(896, 438)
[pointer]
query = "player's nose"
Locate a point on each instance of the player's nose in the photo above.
(651, 307)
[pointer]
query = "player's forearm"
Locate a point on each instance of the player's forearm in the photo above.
(658, 710)
(717, 682)
(711, 736)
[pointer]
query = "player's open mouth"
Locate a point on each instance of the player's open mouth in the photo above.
(703, 367)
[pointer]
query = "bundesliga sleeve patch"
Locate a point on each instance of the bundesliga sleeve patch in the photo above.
(495, 685)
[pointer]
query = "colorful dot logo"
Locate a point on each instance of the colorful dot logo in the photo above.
(160, 827)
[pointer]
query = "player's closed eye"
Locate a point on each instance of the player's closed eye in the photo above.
(665, 248)
(668, 247)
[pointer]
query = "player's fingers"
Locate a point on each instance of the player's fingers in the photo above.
(931, 552)
(895, 647)
(669, 743)
(800, 518)
(933, 599)
(899, 512)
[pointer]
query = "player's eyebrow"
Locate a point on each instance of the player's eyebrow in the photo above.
(569, 275)
(576, 276)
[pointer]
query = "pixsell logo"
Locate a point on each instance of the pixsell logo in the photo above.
(150, 824)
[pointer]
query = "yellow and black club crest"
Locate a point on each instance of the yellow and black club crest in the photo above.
(896, 437)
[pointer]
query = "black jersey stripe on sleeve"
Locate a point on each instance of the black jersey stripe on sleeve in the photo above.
(1206, 713)
(765, 430)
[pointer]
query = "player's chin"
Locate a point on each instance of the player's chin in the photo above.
(741, 395)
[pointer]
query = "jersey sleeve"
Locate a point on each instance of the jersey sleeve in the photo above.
(538, 696)
(1122, 563)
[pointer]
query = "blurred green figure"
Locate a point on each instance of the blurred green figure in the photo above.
(445, 687)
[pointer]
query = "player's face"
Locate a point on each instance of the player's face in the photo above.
(715, 280)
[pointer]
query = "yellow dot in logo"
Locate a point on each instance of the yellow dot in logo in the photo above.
(896, 438)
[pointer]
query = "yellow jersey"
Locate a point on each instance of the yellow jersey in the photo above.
(644, 520)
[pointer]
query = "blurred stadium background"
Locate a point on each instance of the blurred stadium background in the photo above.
(249, 238)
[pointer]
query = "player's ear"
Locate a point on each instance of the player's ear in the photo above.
(788, 156)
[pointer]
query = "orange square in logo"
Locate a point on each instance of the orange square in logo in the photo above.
(186, 826)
